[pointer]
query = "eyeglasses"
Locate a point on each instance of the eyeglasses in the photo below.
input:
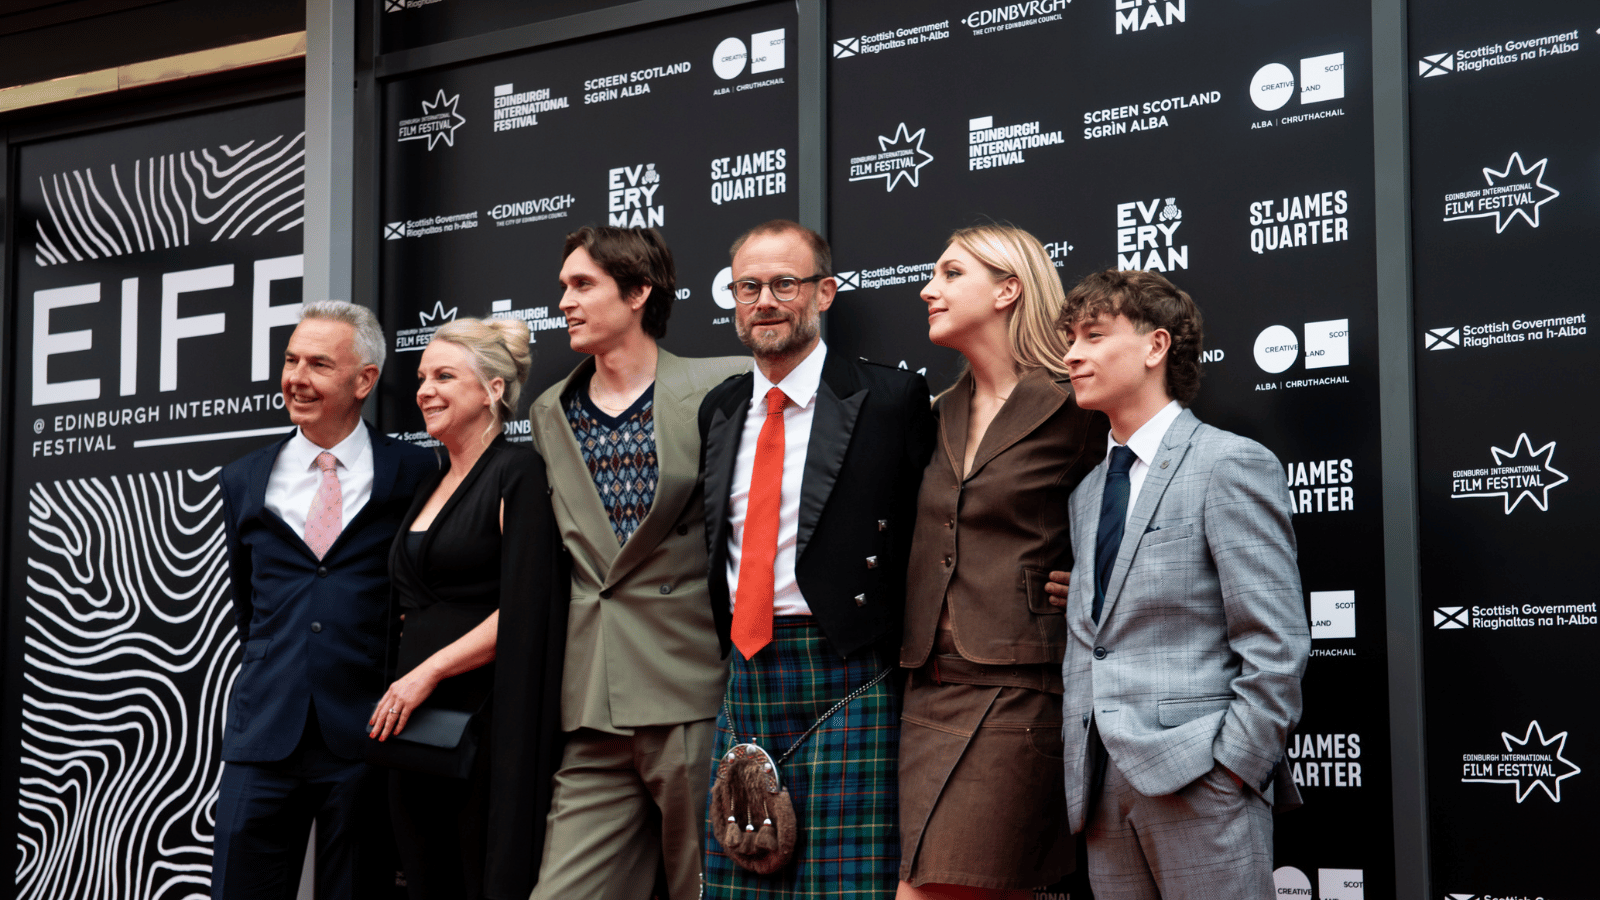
(783, 289)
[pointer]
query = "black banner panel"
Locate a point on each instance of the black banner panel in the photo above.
(158, 276)
(1506, 193)
(403, 24)
(1227, 144)
(689, 127)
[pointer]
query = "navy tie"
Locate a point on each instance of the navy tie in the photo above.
(1113, 518)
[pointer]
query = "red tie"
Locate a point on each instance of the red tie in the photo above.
(752, 607)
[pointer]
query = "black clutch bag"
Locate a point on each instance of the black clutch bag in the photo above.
(442, 735)
(442, 742)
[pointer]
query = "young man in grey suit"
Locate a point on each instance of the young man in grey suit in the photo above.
(644, 672)
(1187, 634)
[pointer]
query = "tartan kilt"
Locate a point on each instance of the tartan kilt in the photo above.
(843, 781)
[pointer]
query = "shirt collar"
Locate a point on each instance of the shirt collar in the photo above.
(800, 385)
(302, 453)
(1146, 442)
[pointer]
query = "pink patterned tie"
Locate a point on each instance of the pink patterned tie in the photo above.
(326, 518)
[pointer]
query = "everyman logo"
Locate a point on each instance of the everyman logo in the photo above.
(1137, 15)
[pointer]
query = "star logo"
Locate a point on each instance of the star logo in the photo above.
(1527, 475)
(1535, 764)
(1517, 201)
(1443, 339)
(847, 280)
(439, 315)
(438, 122)
(1436, 65)
(900, 157)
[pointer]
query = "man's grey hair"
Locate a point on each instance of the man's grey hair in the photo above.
(369, 334)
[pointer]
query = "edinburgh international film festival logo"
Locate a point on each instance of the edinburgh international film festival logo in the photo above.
(1515, 191)
(1529, 762)
(899, 158)
(1521, 473)
(437, 124)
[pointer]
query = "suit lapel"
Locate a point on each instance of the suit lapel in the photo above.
(1035, 399)
(677, 461)
(839, 399)
(1085, 527)
(576, 491)
(1174, 446)
(955, 411)
(385, 468)
(722, 452)
(260, 475)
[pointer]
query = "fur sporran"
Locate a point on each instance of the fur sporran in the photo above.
(754, 819)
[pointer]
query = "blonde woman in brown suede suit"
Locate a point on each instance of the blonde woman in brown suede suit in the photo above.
(981, 810)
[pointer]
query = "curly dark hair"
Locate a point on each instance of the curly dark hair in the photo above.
(635, 258)
(1150, 302)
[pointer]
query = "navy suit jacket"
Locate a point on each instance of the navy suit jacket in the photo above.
(314, 631)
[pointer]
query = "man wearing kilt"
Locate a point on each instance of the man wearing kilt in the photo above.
(812, 466)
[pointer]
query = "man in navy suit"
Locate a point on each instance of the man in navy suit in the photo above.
(309, 522)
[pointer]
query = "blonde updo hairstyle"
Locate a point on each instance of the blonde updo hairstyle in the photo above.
(1007, 251)
(498, 349)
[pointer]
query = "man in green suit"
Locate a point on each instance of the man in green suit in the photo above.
(644, 673)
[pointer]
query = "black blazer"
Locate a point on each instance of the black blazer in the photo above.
(313, 630)
(871, 436)
(466, 568)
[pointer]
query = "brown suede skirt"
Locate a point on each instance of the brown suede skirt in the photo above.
(981, 796)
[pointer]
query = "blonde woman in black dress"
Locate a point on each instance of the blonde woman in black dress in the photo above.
(476, 552)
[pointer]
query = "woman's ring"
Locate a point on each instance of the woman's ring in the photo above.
(393, 711)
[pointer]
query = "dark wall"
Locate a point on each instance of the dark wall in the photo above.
(41, 39)
(404, 24)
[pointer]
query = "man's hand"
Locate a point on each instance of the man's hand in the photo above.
(1056, 587)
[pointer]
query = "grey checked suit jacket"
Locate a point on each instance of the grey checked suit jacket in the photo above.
(1203, 637)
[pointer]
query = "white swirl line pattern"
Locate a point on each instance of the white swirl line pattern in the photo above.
(130, 655)
(167, 200)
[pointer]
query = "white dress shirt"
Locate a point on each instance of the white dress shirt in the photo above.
(800, 386)
(1145, 444)
(295, 477)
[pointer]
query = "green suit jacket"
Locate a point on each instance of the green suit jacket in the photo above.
(641, 645)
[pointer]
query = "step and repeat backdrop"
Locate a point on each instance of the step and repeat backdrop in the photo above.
(1227, 145)
(1506, 193)
(158, 272)
(689, 127)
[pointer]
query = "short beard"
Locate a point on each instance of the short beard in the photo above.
(804, 329)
